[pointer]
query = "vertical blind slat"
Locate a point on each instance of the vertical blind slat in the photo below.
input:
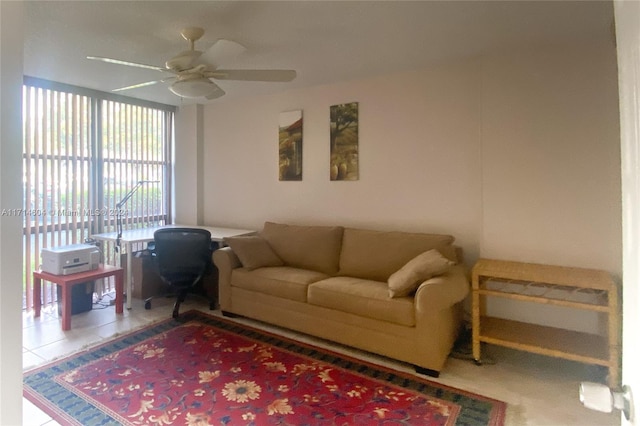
(27, 95)
(58, 177)
(46, 211)
(82, 202)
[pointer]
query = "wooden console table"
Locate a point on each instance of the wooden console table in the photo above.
(68, 281)
(577, 288)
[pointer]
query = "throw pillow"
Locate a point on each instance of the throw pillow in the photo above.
(419, 269)
(253, 251)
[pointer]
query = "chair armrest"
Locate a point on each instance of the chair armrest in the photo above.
(443, 291)
(226, 261)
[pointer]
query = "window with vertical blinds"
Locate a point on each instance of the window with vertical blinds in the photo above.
(84, 151)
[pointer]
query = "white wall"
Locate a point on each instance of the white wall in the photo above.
(10, 198)
(551, 167)
(188, 167)
(516, 155)
(551, 157)
(418, 150)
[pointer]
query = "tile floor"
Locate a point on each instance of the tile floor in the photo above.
(539, 390)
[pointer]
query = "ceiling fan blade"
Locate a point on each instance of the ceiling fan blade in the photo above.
(221, 51)
(130, 64)
(253, 75)
(218, 93)
(135, 86)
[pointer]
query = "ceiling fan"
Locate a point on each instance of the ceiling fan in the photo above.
(193, 70)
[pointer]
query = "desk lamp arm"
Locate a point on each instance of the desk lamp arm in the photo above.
(121, 203)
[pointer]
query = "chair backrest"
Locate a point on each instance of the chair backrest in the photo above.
(182, 254)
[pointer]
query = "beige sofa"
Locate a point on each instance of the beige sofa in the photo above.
(337, 283)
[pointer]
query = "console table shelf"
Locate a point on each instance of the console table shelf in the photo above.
(577, 288)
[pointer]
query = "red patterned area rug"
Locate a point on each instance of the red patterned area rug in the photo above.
(205, 370)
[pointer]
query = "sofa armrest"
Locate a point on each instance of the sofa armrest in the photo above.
(442, 292)
(225, 258)
(226, 261)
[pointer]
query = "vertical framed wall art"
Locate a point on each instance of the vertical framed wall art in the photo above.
(344, 142)
(290, 146)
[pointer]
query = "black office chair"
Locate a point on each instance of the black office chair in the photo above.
(183, 257)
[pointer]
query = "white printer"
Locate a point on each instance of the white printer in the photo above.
(70, 259)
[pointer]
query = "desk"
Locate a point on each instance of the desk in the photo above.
(145, 235)
(68, 281)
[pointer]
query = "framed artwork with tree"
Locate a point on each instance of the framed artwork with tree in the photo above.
(344, 142)
(290, 146)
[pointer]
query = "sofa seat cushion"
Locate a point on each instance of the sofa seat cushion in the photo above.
(280, 281)
(364, 298)
(308, 247)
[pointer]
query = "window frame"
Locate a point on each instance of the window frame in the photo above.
(82, 228)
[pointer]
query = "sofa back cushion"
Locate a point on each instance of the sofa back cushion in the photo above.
(308, 247)
(375, 255)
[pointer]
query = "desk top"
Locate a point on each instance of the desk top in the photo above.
(143, 235)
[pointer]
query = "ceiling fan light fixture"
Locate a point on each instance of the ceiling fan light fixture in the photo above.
(193, 88)
(183, 61)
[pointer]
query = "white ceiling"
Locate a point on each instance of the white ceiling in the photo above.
(324, 41)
